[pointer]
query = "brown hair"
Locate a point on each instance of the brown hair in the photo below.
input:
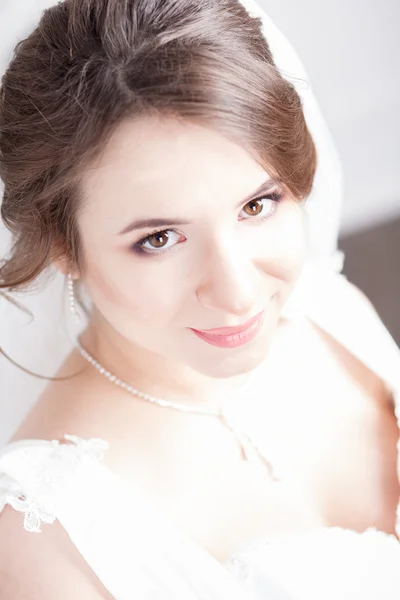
(89, 65)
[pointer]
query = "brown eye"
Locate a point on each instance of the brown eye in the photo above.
(261, 207)
(158, 240)
(255, 208)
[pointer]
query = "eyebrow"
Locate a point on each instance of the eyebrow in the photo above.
(264, 188)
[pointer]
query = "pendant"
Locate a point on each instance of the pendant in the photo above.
(247, 446)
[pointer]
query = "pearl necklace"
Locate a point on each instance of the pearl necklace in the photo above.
(245, 443)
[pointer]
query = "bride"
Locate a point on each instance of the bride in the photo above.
(225, 423)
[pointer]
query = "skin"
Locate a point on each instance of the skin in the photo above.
(220, 270)
(325, 416)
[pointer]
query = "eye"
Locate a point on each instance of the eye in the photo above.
(263, 207)
(159, 240)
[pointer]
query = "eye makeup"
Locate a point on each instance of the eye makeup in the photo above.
(139, 248)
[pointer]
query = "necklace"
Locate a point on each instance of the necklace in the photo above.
(246, 445)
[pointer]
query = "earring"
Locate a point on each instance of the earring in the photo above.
(72, 301)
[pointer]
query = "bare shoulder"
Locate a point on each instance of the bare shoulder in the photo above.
(46, 564)
(66, 405)
(348, 364)
(43, 565)
(361, 297)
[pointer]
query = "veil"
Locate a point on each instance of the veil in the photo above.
(41, 343)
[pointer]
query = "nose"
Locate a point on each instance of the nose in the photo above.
(231, 285)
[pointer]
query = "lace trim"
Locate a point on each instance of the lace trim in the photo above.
(36, 498)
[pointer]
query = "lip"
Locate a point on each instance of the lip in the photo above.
(231, 337)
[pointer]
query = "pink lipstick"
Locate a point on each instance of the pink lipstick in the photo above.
(232, 337)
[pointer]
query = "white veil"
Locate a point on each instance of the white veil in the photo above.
(41, 344)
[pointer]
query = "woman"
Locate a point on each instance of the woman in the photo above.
(225, 426)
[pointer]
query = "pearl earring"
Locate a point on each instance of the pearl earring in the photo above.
(72, 301)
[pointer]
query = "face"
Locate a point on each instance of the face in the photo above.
(176, 237)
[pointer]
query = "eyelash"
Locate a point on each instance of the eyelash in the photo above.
(275, 196)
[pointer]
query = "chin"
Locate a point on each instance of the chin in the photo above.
(244, 360)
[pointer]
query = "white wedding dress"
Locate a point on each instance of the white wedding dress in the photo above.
(136, 553)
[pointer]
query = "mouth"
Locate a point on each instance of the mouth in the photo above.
(231, 337)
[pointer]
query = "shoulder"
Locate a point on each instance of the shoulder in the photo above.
(359, 298)
(45, 565)
(349, 330)
(359, 295)
(351, 327)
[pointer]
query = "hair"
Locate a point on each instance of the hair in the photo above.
(91, 64)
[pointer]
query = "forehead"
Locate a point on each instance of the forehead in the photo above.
(151, 164)
(149, 149)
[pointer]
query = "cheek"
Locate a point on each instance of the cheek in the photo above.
(125, 292)
(285, 244)
(294, 248)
